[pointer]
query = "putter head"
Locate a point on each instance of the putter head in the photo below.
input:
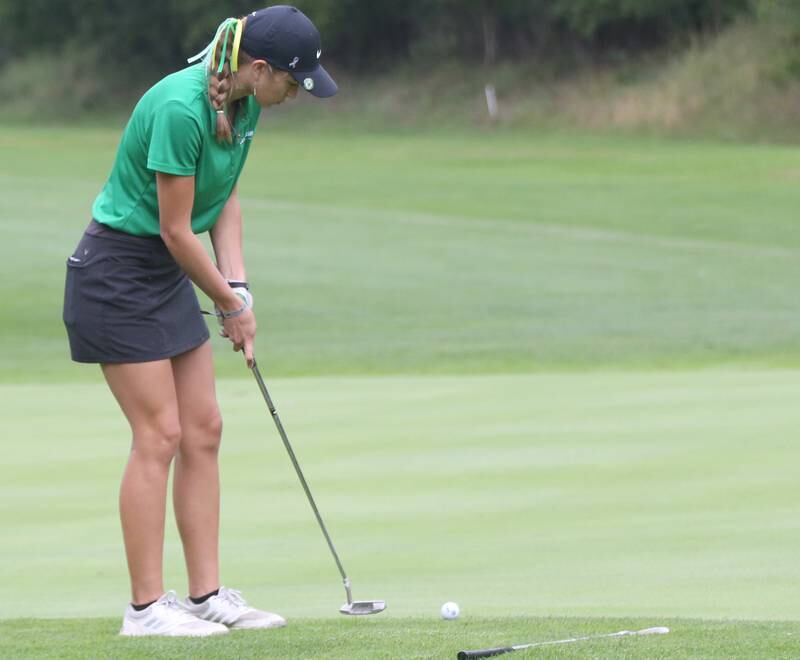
(361, 607)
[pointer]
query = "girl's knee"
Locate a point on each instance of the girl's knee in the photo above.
(202, 433)
(159, 440)
(213, 425)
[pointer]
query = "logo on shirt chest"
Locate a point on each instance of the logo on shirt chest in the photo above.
(247, 136)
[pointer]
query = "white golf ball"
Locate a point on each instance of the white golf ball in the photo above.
(450, 610)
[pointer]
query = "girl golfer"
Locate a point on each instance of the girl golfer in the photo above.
(129, 303)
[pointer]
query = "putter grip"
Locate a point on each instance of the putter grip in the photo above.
(484, 653)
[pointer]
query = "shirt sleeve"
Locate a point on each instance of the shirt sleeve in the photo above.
(174, 141)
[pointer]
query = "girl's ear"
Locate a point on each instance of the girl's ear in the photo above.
(259, 66)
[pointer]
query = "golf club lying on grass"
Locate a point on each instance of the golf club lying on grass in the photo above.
(351, 606)
(487, 653)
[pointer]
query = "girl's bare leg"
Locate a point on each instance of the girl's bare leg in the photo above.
(146, 393)
(196, 485)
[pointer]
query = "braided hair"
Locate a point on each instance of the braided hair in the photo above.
(222, 57)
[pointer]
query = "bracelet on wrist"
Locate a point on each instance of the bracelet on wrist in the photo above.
(234, 313)
(235, 284)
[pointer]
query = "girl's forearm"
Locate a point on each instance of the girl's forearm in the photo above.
(192, 257)
(226, 238)
(175, 200)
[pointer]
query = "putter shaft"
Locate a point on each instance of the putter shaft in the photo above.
(262, 386)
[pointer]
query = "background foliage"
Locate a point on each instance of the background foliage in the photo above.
(360, 34)
(729, 68)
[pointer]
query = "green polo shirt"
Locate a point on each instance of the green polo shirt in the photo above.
(172, 130)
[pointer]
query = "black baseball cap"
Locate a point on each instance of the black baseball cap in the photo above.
(287, 39)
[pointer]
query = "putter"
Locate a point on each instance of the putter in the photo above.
(488, 653)
(352, 607)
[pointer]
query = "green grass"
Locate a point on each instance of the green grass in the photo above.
(550, 377)
(455, 252)
(606, 494)
(639, 496)
(411, 638)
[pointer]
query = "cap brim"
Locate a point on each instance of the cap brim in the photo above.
(317, 82)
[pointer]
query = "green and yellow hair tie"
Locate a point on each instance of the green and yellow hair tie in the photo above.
(229, 27)
(237, 40)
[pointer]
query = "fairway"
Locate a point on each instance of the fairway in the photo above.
(551, 378)
(455, 253)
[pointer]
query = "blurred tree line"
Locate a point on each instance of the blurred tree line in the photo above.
(72, 56)
(360, 35)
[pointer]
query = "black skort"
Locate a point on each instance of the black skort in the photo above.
(127, 300)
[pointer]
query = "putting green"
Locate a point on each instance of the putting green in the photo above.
(552, 378)
(600, 494)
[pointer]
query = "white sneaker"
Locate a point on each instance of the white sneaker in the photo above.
(166, 617)
(229, 608)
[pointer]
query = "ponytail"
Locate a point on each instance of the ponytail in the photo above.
(219, 90)
(222, 57)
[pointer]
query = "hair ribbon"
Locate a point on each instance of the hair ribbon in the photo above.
(227, 26)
